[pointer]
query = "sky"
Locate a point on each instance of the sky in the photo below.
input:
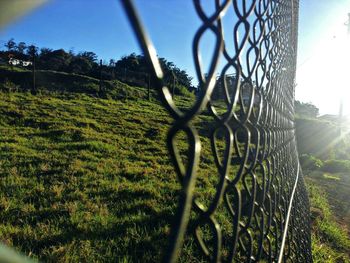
(101, 26)
(323, 55)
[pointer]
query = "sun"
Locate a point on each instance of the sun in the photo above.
(325, 78)
(341, 71)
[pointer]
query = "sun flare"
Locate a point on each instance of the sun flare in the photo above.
(327, 73)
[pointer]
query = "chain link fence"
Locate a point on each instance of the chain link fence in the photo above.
(260, 185)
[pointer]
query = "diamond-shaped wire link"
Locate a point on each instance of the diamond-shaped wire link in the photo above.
(265, 197)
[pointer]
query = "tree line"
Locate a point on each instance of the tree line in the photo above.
(132, 69)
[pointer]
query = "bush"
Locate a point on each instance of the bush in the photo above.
(336, 166)
(182, 90)
(9, 86)
(309, 162)
(89, 88)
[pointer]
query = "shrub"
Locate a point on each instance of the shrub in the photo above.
(182, 90)
(90, 88)
(309, 162)
(8, 86)
(336, 166)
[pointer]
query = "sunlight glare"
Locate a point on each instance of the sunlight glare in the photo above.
(327, 73)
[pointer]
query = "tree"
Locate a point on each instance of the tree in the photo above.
(45, 51)
(171, 70)
(111, 63)
(131, 62)
(21, 47)
(305, 110)
(32, 50)
(58, 60)
(80, 65)
(10, 45)
(134, 68)
(91, 56)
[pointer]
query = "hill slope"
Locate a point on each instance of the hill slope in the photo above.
(60, 82)
(81, 180)
(88, 179)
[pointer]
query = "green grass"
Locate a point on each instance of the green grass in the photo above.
(14, 68)
(330, 240)
(331, 177)
(67, 192)
(87, 178)
(84, 179)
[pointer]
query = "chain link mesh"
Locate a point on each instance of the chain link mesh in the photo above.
(260, 186)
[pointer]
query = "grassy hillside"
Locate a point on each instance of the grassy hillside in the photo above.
(80, 180)
(60, 82)
(328, 181)
(87, 178)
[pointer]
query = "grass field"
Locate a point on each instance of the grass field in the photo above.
(88, 179)
(85, 179)
(81, 180)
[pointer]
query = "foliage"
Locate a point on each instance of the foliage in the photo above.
(309, 162)
(127, 66)
(8, 86)
(132, 69)
(21, 47)
(305, 109)
(10, 44)
(218, 93)
(58, 60)
(80, 65)
(183, 91)
(32, 51)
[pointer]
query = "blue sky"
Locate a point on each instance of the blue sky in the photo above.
(101, 26)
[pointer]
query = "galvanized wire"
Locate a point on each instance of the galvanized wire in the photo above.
(265, 198)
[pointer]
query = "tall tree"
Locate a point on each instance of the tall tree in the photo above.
(58, 60)
(21, 47)
(135, 67)
(32, 50)
(80, 65)
(91, 56)
(10, 45)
